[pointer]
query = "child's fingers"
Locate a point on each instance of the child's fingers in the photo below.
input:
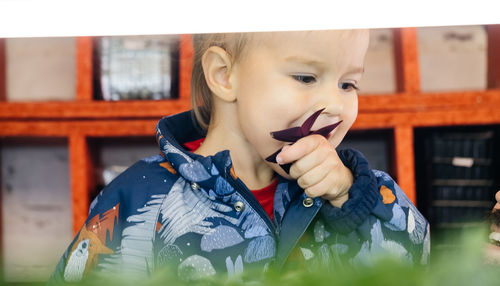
(327, 184)
(300, 148)
(311, 160)
(497, 206)
(315, 175)
(497, 198)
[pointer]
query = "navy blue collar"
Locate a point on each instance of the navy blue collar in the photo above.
(172, 133)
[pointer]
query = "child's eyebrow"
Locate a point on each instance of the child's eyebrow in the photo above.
(320, 64)
(305, 61)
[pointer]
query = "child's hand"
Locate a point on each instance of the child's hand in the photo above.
(497, 197)
(318, 169)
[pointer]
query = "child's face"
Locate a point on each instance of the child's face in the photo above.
(285, 77)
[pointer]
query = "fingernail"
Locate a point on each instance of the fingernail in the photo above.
(279, 160)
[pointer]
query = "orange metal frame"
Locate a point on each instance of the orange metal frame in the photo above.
(85, 118)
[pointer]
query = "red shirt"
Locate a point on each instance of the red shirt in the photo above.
(265, 196)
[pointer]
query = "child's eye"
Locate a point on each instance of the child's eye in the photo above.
(347, 86)
(307, 79)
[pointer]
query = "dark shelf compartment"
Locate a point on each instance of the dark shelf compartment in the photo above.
(376, 145)
(456, 175)
(112, 155)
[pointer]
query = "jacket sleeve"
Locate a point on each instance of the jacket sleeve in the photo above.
(377, 220)
(94, 239)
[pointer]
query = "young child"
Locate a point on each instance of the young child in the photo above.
(220, 207)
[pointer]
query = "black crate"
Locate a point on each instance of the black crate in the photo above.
(457, 174)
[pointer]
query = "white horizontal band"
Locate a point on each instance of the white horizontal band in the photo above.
(51, 18)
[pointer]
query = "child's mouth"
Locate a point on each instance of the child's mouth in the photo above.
(293, 134)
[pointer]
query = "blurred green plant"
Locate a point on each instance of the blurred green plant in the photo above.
(464, 264)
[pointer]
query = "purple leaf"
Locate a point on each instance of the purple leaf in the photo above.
(295, 133)
(286, 167)
(288, 135)
(308, 124)
(327, 129)
(272, 158)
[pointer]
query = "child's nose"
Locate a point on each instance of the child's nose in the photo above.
(332, 102)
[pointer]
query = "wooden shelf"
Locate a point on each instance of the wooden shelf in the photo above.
(137, 126)
(418, 102)
(84, 118)
(93, 109)
(88, 128)
(443, 117)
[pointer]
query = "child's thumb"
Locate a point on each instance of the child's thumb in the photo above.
(285, 147)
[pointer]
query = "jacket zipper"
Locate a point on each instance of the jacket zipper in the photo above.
(247, 194)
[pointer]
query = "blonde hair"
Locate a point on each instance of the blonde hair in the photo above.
(201, 96)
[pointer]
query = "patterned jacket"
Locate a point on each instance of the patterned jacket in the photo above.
(194, 214)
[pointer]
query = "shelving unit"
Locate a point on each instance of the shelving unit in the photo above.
(402, 111)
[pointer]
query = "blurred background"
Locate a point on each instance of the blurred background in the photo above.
(75, 112)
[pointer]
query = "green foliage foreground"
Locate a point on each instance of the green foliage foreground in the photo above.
(464, 264)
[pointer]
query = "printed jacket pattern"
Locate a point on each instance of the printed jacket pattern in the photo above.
(193, 213)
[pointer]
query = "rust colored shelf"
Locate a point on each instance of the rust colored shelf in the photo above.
(457, 116)
(92, 128)
(407, 84)
(149, 108)
(93, 109)
(145, 127)
(81, 179)
(429, 101)
(406, 60)
(405, 167)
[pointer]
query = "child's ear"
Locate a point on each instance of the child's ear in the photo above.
(217, 67)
